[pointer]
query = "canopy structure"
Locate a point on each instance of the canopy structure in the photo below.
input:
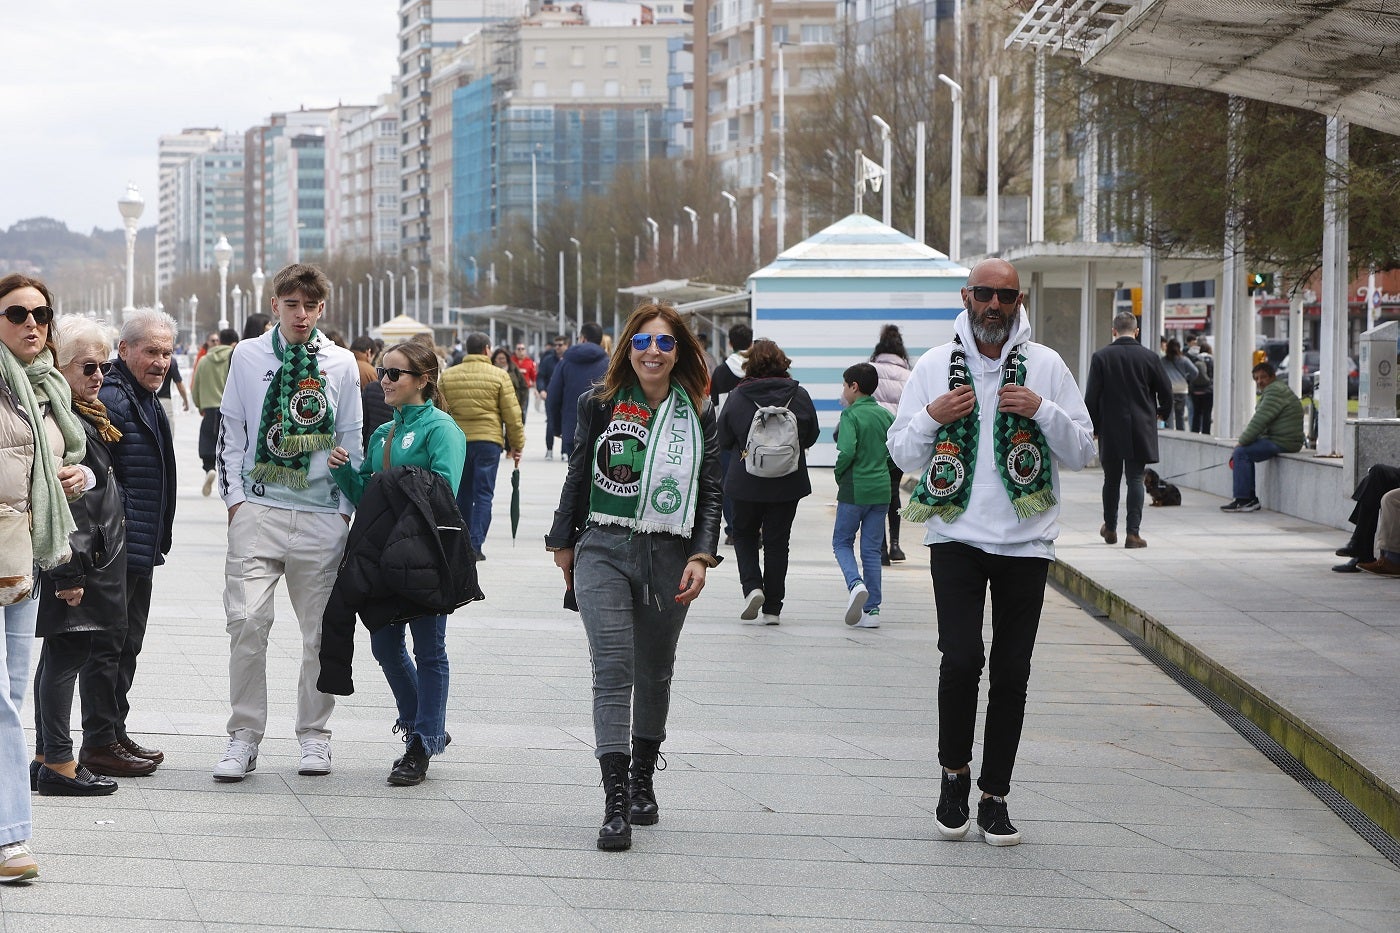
(1335, 58)
(399, 328)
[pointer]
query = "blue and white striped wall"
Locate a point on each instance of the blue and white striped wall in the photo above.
(825, 300)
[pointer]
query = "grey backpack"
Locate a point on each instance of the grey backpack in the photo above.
(773, 447)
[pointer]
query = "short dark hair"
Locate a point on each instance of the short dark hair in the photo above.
(1266, 367)
(740, 337)
(300, 276)
(592, 332)
(228, 336)
(255, 325)
(863, 375)
(362, 344)
(477, 344)
(1124, 323)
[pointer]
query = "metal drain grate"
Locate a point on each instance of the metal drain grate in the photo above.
(1362, 824)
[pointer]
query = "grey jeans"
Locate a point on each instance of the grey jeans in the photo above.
(626, 589)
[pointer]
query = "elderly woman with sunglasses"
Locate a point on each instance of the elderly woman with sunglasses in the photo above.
(87, 595)
(637, 528)
(41, 442)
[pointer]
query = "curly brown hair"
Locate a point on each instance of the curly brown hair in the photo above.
(766, 359)
(690, 370)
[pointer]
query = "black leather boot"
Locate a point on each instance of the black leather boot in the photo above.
(412, 768)
(642, 808)
(616, 833)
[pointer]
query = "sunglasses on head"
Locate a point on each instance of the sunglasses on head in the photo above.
(89, 369)
(1006, 296)
(18, 314)
(393, 373)
(664, 342)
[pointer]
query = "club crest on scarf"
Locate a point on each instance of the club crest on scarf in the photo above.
(1023, 460)
(646, 465)
(621, 456)
(308, 404)
(946, 474)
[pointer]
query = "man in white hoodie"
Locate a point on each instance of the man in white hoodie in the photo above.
(986, 421)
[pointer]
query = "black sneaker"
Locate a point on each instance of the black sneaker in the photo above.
(952, 813)
(995, 822)
(1242, 505)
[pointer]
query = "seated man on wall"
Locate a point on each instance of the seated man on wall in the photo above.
(1387, 562)
(1277, 427)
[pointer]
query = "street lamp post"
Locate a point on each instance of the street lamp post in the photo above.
(130, 205)
(237, 302)
(561, 291)
(194, 317)
(885, 138)
(955, 181)
(369, 305)
(416, 311)
(694, 227)
(655, 240)
(393, 312)
(578, 281)
(534, 196)
(258, 281)
(733, 220)
(223, 253)
(782, 154)
(510, 271)
(472, 260)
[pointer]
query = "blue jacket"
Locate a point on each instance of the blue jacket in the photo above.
(144, 462)
(582, 365)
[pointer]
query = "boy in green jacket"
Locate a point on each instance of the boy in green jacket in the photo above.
(863, 492)
(1277, 427)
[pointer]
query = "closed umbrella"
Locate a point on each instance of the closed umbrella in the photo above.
(514, 503)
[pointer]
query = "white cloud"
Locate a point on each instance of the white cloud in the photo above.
(89, 85)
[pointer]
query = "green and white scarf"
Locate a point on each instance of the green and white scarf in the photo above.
(296, 417)
(32, 385)
(1022, 456)
(646, 465)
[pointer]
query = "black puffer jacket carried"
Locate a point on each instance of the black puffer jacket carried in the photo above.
(572, 514)
(734, 420)
(408, 555)
(144, 461)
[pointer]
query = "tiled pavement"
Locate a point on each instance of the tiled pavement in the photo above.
(799, 794)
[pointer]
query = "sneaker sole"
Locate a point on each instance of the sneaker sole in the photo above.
(853, 610)
(314, 772)
(993, 840)
(948, 832)
(751, 610)
(27, 875)
(235, 778)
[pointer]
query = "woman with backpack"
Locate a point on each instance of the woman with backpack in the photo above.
(1181, 371)
(1202, 389)
(765, 498)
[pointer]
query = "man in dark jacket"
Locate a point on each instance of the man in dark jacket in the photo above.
(1127, 394)
(144, 463)
(549, 361)
(581, 365)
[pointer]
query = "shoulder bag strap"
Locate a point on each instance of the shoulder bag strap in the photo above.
(387, 441)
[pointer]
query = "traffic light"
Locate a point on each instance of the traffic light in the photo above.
(1261, 282)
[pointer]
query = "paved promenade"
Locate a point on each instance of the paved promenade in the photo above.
(802, 770)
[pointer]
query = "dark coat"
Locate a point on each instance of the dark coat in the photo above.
(582, 365)
(734, 420)
(144, 461)
(1127, 394)
(98, 564)
(377, 411)
(572, 514)
(408, 555)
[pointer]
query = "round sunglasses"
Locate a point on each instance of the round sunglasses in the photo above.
(664, 342)
(18, 314)
(393, 373)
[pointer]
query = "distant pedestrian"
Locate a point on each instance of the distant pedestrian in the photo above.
(891, 362)
(862, 493)
(207, 392)
(173, 380)
(634, 535)
(1202, 389)
(1277, 427)
(291, 396)
(987, 420)
(723, 379)
(1180, 371)
(579, 369)
(526, 364)
(1127, 393)
(501, 359)
(482, 399)
(764, 506)
(549, 360)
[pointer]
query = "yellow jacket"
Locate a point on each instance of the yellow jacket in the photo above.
(482, 400)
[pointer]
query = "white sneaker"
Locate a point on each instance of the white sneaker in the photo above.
(869, 619)
(856, 602)
(753, 601)
(770, 619)
(315, 756)
(16, 863)
(239, 759)
(208, 486)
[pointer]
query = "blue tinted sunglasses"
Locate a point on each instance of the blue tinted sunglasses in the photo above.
(664, 342)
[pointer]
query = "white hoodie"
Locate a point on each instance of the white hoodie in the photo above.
(990, 522)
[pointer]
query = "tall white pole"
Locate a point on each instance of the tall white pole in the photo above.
(447, 258)
(578, 282)
(993, 170)
(886, 187)
(534, 196)
(1332, 359)
(955, 178)
(130, 205)
(920, 136)
(561, 291)
(1038, 153)
(733, 220)
(782, 151)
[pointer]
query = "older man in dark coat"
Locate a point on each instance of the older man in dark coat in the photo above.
(1127, 394)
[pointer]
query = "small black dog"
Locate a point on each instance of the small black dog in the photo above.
(1161, 491)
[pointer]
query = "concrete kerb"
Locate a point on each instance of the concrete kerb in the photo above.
(1371, 795)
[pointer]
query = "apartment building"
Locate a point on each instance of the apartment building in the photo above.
(208, 204)
(362, 205)
(172, 151)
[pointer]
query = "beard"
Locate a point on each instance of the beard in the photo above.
(991, 330)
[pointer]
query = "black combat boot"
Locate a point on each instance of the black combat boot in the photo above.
(616, 833)
(645, 756)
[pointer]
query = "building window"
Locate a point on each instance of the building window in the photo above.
(817, 34)
(644, 55)
(644, 87)
(575, 88)
(539, 89)
(541, 59)
(576, 56)
(611, 88)
(610, 56)
(780, 35)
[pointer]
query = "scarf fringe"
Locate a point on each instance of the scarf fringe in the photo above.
(307, 443)
(919, 512)
(636, 524)
(1035, 503)
(282, 475)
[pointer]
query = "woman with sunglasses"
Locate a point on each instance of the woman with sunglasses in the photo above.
(88, 594)
(637, 526)
(422, 434)
(41, 442)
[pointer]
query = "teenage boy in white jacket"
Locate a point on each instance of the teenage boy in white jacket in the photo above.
(986, 421)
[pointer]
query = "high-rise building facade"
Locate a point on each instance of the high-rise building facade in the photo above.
(362, 213)
(208, 204)
(172, 151)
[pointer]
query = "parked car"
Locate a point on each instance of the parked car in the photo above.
(1310, 361)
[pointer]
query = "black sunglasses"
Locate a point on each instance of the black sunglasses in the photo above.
(664, 342)
(393, 373)
(90, 368)
(1007, 296)
(18, 314)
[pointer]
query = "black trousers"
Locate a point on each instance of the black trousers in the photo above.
(896, 477)
(767, 525)
(209, 437)
(1202, 404)
(962, 576)
(1378, 481)
(106, 679)
(62, 657)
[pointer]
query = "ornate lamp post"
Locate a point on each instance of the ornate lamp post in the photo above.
(223, 254)
(131, 204)
(258, 281)
(194, 318)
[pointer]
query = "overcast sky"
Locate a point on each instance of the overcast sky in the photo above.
(88, 86)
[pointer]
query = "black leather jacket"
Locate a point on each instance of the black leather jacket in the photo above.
(572, 514)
